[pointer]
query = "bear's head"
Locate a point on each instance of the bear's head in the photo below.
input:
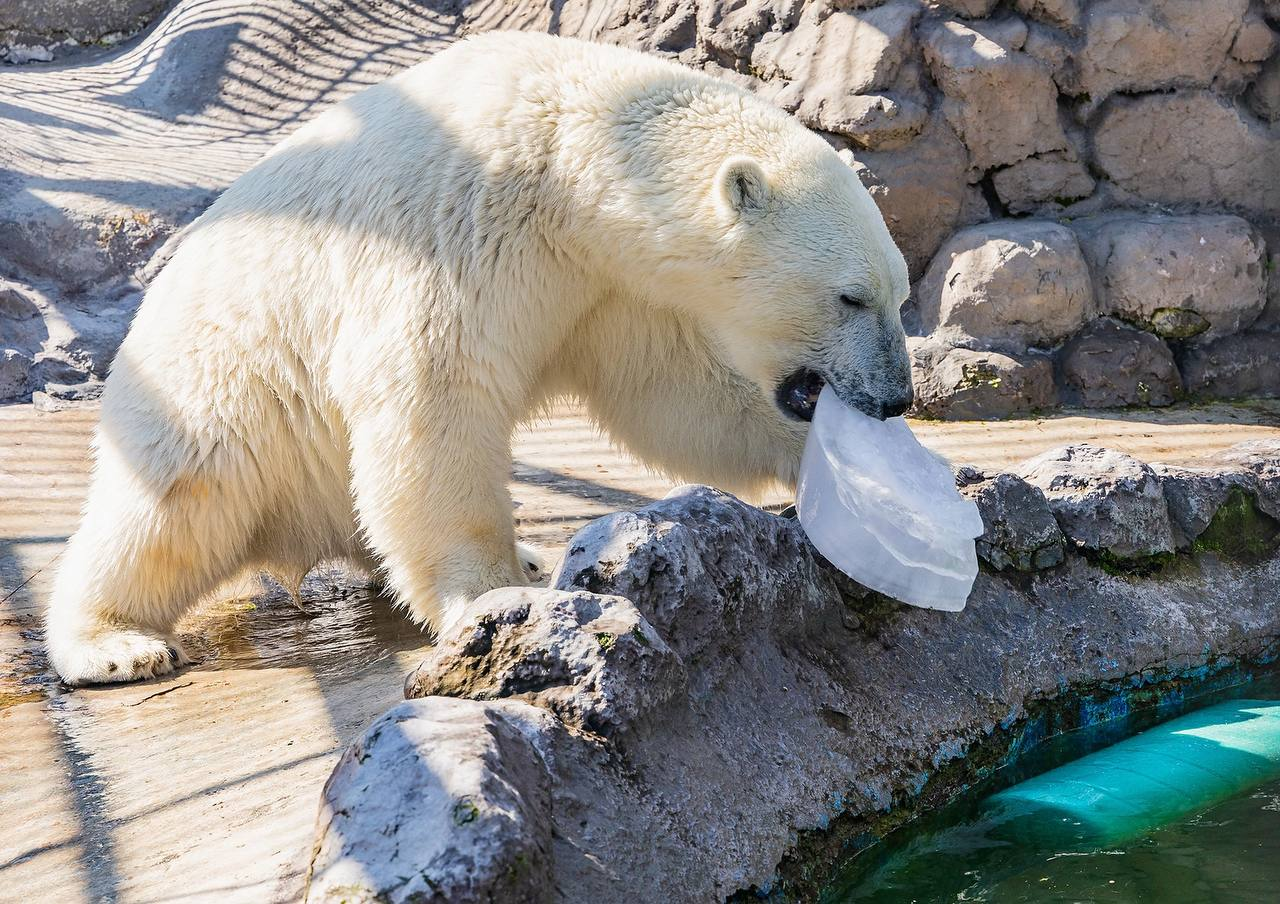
(810, 283)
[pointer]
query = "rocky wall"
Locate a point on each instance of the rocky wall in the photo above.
(1087, 191)
(701, 708)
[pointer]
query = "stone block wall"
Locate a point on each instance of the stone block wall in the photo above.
(1087, 191)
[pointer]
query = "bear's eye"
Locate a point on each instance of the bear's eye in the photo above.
(855, 300)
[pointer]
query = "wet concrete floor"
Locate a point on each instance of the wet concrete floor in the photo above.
(203, 786)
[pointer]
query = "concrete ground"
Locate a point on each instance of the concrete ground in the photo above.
(203, 786)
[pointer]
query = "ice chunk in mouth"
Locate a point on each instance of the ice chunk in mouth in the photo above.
(884, 509)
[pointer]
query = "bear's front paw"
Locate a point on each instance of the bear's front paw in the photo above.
(532, 562)
(116, 655)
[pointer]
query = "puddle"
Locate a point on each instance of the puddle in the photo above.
(343, 626)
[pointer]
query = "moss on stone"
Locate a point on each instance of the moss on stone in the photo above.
(1177, 323)
(1131, 566)
(1239, 530)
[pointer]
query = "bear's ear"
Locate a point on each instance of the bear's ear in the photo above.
(742, 186)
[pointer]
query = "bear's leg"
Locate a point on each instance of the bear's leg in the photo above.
(431, 497)
(145, 551)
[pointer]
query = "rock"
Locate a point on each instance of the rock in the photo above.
(43, 30)
(841, 52)
(60, 396)
(21, 326)
(1254, 41)
(1008, 285)
(1060, 13)
(654, 561)
(1179, 277)
(14, 306)
(1057, 178)
(677, 30)
(439, 801)
(811, 706)
(1110, 366)
(962, 384)
(15, 370)
(1263, 96)
(1234, 367)
(1195, 495)
(1104, 501)
(1020, 531)
(1269, 319)
(973, 9)
(1146, 45)
(1191, 148)
(729, 29)
(1001, 102)
(1261, 458)
(919, 188)
(582, 656)
(873, 121)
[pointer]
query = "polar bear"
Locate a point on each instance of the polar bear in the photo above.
(332, 363)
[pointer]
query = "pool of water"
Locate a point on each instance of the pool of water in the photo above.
(1227, 853)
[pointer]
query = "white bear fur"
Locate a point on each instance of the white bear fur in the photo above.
(332, 364)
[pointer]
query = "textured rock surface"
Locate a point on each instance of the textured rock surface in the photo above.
(1240, 366)
(1103, 500)
(956, 112)
(469, 819)
(1001, 102)
(1179, 277)
(1020, 531)
(1189, 148)
(920, 189)
(961, 384)
(1057, 178)
(1142, 45)
(1109, 366)
(1009, 285)
(41, 30)
(804, 703)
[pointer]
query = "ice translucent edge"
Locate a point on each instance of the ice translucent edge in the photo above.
(837, 507)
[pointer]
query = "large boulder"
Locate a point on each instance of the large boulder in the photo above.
(920, 189)
(1234, 367)
(1001, 102)
(544, 642)
(1108, 365)
(1105, 501)
(1189, 147)
(837, 53)
(1179, 277)
(1008, 285)
(1144, 45)
(963, 384)
(439, 801)
(1019, 530)
(1043, 181)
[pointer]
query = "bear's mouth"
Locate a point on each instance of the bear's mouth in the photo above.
(797, 395)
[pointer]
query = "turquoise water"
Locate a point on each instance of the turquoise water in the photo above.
(1226, 853)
